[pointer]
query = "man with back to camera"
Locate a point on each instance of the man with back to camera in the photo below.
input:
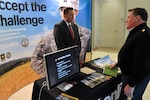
(134, 56)
(47, 43)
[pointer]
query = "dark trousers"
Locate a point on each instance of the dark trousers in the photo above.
(138, 91)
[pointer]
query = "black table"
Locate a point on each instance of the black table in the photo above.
(106, 89)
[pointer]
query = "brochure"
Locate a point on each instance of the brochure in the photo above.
(104, 61)
(112, 72)
(95, 79)
(64, 96)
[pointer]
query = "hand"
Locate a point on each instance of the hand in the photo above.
(128, 91)
(113, 65)
(81, 64)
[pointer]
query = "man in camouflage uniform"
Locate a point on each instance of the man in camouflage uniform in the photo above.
(47, 44)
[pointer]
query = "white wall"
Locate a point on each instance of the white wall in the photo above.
(108, 23)
(116, 38)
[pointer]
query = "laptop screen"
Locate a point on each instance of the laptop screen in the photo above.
(61, 65)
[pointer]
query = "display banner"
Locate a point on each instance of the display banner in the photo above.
(24, 22)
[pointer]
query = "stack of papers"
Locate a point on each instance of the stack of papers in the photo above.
(105, 63)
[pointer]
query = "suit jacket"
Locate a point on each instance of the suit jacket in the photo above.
(63, 36)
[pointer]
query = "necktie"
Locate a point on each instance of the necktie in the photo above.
(71, 31)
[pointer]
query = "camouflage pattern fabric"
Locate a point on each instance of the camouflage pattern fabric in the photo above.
(47, 45)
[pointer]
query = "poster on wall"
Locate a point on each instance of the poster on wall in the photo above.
(24, 22)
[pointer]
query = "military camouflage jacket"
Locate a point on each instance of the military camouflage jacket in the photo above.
(47, 45)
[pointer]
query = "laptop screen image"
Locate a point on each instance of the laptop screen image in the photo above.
(61, 66)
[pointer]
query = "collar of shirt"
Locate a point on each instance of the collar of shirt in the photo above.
(131, 29)
(67, 23)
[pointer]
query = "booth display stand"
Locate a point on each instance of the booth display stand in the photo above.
(80, 91)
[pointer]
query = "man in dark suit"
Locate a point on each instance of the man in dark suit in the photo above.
(65, 37)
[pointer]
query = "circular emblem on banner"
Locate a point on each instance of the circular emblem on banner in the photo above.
(8, 55)
(25, 42)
